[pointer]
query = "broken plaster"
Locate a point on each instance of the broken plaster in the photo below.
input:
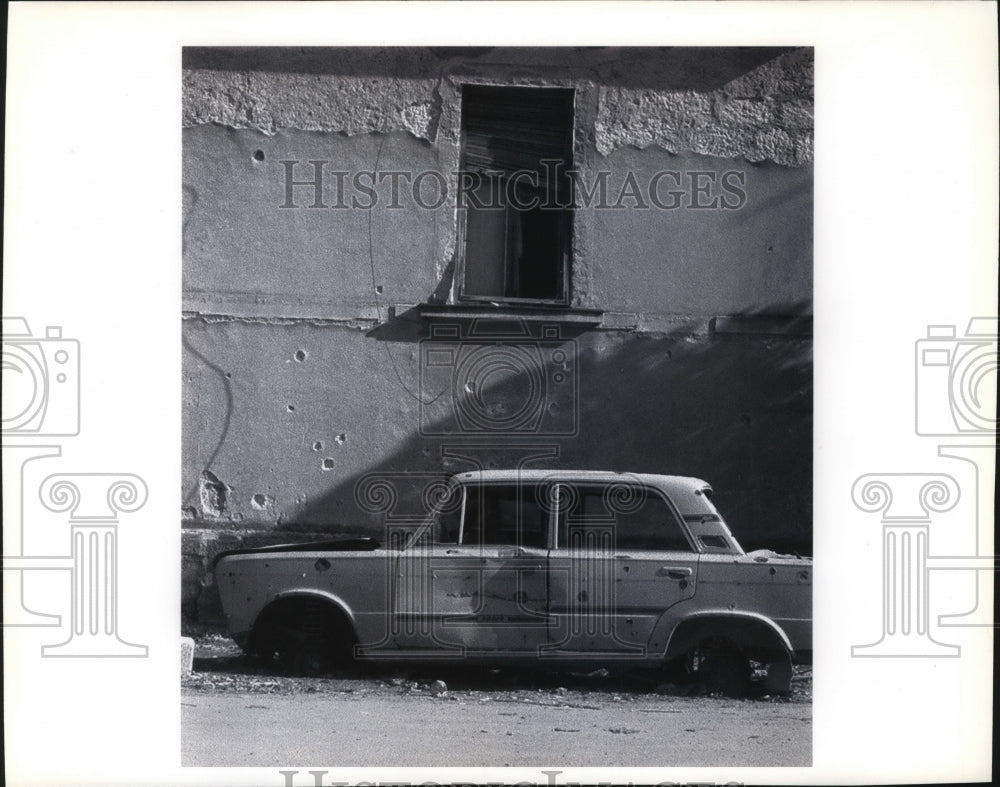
(212, 494)
(270, 101)
(764, 114)
(361, 323)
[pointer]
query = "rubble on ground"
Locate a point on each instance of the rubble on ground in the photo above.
(220, 667)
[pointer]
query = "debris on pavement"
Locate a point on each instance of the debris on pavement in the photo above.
(438, 688)
(220, 667)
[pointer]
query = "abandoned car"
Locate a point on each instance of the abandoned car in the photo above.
(541, 565)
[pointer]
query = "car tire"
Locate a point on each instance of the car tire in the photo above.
(779, 676)
(725, 672)
(306, 660)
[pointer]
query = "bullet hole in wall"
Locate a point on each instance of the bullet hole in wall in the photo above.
(327, 464)
(378, 289)
(291, 408)
(300, 355)
(340, 439)
(317, 446)
(260, 502)
(258, 155)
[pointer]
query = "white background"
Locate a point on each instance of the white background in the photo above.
(906, 236)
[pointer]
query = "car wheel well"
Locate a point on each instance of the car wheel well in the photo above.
(719, 652)
(304, 633)
(752, 638)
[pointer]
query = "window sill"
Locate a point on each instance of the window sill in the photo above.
(528, 313)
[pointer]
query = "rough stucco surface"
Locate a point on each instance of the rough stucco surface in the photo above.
(761, 113)
(766, 114)
(268, 102)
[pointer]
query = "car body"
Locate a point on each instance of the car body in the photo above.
(544, 565)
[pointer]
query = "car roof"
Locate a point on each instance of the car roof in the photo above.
(670, 483)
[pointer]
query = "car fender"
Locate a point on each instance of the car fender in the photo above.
(311, 592)
(682, 632)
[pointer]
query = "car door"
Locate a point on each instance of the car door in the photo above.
(485, 591)
(621, 558)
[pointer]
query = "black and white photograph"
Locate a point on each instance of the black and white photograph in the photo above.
(498, 382)
(541, 393)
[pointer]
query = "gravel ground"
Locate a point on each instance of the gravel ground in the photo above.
(457, 715)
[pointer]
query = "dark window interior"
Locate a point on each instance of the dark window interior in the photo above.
(504, 514)
(639, 518)
(714, 542)
(517, 219)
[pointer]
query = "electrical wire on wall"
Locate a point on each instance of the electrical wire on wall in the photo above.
(375, 293)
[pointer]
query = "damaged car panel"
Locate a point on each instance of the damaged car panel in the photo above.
(541, 565)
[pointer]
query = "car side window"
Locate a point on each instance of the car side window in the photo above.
(637, 517)
(504, 514)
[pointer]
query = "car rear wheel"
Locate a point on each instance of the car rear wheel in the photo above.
(304, 636)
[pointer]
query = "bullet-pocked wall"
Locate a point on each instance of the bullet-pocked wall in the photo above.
(323, 253)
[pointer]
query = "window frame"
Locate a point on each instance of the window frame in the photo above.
(535, 486)
(560, 516)
(567, 217)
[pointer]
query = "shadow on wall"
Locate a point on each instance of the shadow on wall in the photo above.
(732, 408)
(665, 68)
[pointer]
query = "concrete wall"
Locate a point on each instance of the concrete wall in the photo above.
(302, 331)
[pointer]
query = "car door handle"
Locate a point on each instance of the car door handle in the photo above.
(674, 572)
